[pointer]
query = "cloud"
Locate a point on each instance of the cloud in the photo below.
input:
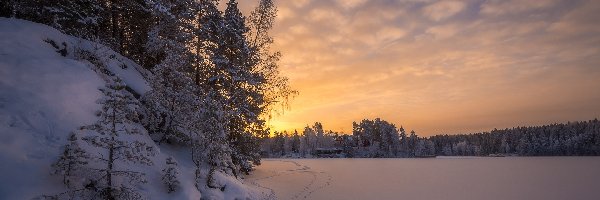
(324, 15)
(349, 4)
(299, 29)
(443, 31)
(440, 66)
(390, 33)
(580, 21)
(443, 9)
(502, 7)
(285, 13)
(300, 3)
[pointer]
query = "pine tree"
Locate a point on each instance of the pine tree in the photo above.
(412, 142)
(310, 140)
(320, 137)
(295, 142)
(117, 118)
(6, 8)
(170, 175)
(215, 149)
(72, 162)
(172, 100)
(81, 18)
(403, 142)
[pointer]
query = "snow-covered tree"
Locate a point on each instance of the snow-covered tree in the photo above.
(403, 146)
(170, 175)
(172, 100)
(71, 162)
(310, 140)
(320, 134)
(413, 139)
(213, 139)
(79, 17)
(113, 136)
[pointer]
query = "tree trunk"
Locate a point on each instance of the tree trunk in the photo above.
(111, 156)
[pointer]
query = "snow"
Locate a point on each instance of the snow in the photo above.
(531, 178)
(44, 96)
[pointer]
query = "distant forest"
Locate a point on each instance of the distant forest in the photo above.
(380, 139)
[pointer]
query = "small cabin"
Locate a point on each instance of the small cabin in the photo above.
(327, 152)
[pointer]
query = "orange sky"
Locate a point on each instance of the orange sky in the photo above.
(439, 66)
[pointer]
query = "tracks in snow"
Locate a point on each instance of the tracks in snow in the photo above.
(318, 180)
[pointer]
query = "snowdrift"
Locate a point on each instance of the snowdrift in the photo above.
(48, 90)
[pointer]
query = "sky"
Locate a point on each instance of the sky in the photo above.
(438, 67)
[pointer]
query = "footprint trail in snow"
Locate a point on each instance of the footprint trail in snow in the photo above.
(286, 179)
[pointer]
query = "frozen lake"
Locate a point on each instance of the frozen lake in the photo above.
(527, 178)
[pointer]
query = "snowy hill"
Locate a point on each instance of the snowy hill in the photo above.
(48, 89)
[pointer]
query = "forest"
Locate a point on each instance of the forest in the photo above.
(380, 139)
(214, 82)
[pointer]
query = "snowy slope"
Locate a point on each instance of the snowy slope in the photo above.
(45, 94)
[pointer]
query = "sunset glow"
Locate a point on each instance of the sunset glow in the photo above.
(439, 66)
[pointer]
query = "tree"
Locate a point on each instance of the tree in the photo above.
(81, 18)
(170, 174)
(112, 134)
(71, 162)
(213, 138)
(241, 86)
(310, 140)
(6, 8)
(295, 142)
(403, 147)
(275, 90)
(320, 137)
(172, 101)
(412, 142)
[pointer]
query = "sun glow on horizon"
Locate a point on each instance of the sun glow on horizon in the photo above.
(438, 67)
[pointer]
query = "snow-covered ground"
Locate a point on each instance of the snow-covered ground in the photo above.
(45, 94)
(460, 178)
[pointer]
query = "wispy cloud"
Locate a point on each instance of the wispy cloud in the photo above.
(440, 66)
(443, 9)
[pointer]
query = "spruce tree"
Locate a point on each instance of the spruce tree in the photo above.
(170, 175)
(295, 142)
(113, 134)
(214, 147)
(71, 162)
(172, 100)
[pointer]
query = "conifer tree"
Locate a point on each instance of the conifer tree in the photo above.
(172, 101)
(214, 149)
(71, 162)
(81, 18)
(170, 175)
(244, 98)
(117, 118)
(295, 142)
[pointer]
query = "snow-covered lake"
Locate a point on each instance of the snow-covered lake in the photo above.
(451, 178)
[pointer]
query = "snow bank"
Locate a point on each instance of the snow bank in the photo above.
(43, 96)
(45, 93)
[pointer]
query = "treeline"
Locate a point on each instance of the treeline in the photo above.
(214, 81)
(570, 139)
(304, 144)
(378, 138)
(370, 139)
